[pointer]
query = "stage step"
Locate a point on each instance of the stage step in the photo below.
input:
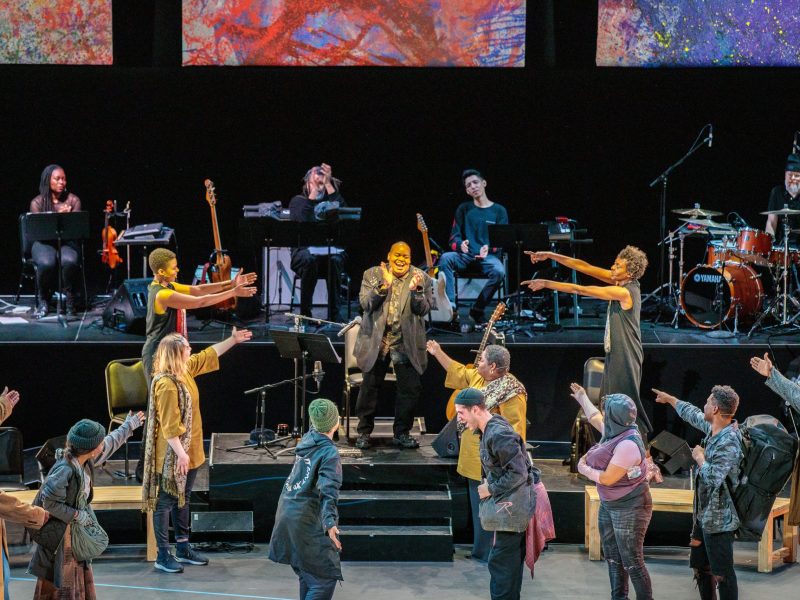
(358, 505)
(397, 543)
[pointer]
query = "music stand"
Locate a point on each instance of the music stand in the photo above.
(268, 232)
(529, 235)
(49, 226)
(301, 347)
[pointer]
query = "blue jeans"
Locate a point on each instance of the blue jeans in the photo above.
(6, 574)
(168, 505)
(313, 587)
(491, 266)
(622, 533)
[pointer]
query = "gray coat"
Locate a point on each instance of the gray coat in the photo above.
(59, 496)
(414, 307)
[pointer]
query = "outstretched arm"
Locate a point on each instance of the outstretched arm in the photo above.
(602, 292)
(572, 263)
(246, 279)
(174, 299)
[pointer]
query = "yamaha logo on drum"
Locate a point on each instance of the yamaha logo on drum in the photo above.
(707, 278)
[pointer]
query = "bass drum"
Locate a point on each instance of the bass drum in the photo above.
(706, 291)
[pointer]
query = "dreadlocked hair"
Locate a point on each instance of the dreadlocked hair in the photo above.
(44, 187)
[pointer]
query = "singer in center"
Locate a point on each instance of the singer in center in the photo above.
(395, 298)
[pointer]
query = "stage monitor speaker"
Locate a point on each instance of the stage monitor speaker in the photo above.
(127, 309)
(672, 453)
(229, 525)
(446, 442)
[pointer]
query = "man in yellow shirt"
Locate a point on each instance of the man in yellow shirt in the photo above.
(505, 395)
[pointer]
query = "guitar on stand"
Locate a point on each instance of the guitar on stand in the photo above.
(498, 313)
(219, 266)
(441, 311)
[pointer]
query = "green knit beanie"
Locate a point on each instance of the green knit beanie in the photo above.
(86, 435)
(323, 414)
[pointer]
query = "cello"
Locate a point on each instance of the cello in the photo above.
(110, 255)
(498, 313)
(220, 270)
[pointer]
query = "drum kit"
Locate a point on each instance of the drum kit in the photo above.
(745, 278)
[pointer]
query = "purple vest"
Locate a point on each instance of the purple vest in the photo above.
(599, 457)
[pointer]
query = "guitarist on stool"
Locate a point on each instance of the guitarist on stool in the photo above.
(505, 396)
(469, 242)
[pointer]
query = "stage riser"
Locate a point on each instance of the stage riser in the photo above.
(60, 383)
(397, 544)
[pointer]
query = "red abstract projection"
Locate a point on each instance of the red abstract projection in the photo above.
(75, 32)
(446, 33)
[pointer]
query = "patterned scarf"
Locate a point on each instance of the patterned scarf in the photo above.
(497, 392)
(173, 482)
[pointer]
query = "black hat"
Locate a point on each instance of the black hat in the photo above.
(793, 163)
(86, 435)
(470, 397)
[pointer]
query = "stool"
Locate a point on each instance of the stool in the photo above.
(473, 273)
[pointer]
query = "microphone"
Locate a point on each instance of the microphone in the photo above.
(710, 135)
(318, 373)
(349, 326)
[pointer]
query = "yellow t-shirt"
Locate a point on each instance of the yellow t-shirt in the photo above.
(514, 410)
(168, 414)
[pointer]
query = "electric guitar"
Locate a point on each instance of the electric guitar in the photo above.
(442, 310)
(220, 270)
(498, 313)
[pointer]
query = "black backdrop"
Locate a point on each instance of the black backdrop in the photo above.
(559, 137)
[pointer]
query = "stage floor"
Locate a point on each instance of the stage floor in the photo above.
(88, 328)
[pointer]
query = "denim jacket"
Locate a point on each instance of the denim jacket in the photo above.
(713, 505)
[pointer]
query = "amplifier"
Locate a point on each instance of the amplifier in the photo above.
(228, 525)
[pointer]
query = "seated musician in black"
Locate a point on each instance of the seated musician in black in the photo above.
(787, 194)
(54, 197)
(320, 189)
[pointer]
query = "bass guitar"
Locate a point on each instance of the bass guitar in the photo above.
(442, 310)
(498, 313)
(220, 269)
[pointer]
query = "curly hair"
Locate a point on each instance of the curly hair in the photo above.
(726, 399)
(635, 259)
(159, 258)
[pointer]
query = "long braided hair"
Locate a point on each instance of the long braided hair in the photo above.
(44, 187)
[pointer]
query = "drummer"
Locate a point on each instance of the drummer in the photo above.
(789, 194)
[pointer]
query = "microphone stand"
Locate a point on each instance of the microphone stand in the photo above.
(663, 179)
(261, 414)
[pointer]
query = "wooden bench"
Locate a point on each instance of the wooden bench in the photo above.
(680, 501)
(112, 497)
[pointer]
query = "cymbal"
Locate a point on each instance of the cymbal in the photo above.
(696, 212)
(782, 211)
(705, 223)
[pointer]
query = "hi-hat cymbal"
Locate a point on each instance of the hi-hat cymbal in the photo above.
(782, 211)
(696, 212)
(705, 223)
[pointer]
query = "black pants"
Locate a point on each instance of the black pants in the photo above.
(712, 561)
(505, 565)
(44, 255)
(409, 388)
(481, 539)
(309, 268)
(167, 505)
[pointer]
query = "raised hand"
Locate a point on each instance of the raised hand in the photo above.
(327, 173)
(386, 273)
(241, 335)
(416, 280)
(664, 397)
(762, 366)
(433, 347)
(244, 291)
(578, 393)
(535, 285)
(538, 256)
(11, 395)
(244, 279)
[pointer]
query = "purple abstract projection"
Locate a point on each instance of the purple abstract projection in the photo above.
(75, 32)
(698, 33)
(468, 33)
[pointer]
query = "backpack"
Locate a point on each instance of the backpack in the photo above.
(768, 454)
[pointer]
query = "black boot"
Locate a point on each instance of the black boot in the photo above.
(706, 584)
(70, 304)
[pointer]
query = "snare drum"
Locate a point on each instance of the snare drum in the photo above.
(754, 241)
(776, 256)
(707, 292)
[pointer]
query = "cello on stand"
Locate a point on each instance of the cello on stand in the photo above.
(110, 255)
(218, 268)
